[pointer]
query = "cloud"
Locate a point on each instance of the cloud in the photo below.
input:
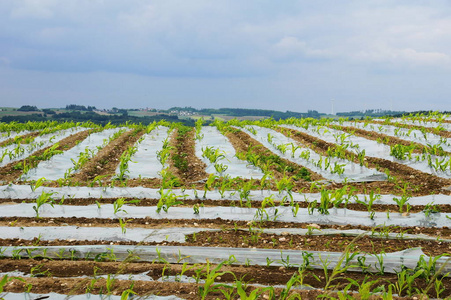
(291, 48)
(407, 56)
(331, 49)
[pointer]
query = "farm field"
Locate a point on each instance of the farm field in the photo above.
(290, 209)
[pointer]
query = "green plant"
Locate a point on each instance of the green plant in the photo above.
(210, 276)
(41, 200)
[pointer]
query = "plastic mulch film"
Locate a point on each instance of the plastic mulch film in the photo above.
(412, 135)
(9, 135)
(57, 166)
(320, 164)
(349, 232)
(372, 148)
(424, 123)
(114, 234)
(38, 143)
(55, 296)
(25, 192)
(145, 162)
(234, 167)
(384, 262)
(336, 216)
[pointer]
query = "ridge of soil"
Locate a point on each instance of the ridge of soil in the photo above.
(258, 240)
(435, 131)
(8, 173)
(242, 142)
(10, 141)
(105, 162)
(55, 276)
(419, 183)
(191, 169)
(441, 233)
(444, 208)
(383, 138)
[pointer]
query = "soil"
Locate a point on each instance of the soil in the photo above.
(418, 183)
(21, 137)
(442, 133)
(242, 142)
(8, 173)
(61, 275)
(444, 208)
(190, 168)
(245, 239)
(105, 162)
(55, 276)
(223, 224)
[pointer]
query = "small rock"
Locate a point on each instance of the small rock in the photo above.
(195, 224)
(313, 225)
(282, 239)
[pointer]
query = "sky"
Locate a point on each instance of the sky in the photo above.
(265, 54)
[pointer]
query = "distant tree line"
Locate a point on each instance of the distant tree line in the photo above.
(80, 107)
(77, 116)
(28, 108)
(242, 112)
(370, 113)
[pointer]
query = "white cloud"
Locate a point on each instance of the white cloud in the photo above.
(291, 48)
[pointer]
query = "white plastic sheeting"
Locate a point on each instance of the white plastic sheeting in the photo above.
(113, 234)
(145, 162)
(352, 171)
(372, 148)
(411, 135)
(55, 296)
(24, 192)
(57, 166)
(280, 213)
(8, 135)
(39, 143)
(235, 167)
(391, 262)
(424, 123)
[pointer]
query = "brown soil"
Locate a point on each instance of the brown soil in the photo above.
(21, 137)
(8, 173)
(107, 159)
(188, 167)
(245, 239)
(444, 208)
(436, 131)
(387, 140)
(242, 142)
(418, 183)
(442, 233)
(54, 276)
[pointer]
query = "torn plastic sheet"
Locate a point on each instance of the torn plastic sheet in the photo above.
(40, 142)
(372, 148)
(352, 171)
(235, 167)
(24, 192)
(391, 262)
(55, 296)
(56, 167)
(114, 234)
(145, 163)
(336, 216)
(349, 232)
